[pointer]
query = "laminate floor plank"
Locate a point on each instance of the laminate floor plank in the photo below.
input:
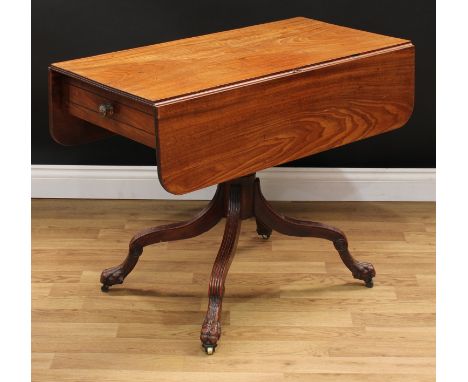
(292, 312)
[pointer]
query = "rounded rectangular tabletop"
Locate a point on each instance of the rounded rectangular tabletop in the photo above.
(232, 103)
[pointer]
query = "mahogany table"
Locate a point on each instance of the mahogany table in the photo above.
(217, 108)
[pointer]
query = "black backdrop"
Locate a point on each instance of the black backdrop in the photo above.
(63, 30)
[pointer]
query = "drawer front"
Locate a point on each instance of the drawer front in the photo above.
(110, 111)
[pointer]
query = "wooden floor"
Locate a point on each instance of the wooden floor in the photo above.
(292, 311)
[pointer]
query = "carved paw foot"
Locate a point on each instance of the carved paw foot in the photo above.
(264, 231)
(116, 275)
(365, 272)
(210, 334)
(112, 276)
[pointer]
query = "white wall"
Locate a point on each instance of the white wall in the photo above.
(295, 184)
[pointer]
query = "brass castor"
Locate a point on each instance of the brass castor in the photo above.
(105, 288)
(369, 283)
(209, 349)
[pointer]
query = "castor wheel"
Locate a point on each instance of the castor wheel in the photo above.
(369, 283)
(209, 349)
(105, 288)
(265, 236)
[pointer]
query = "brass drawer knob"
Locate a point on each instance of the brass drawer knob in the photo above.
(106, 109)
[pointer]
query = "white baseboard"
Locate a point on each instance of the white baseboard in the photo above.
(292, 184)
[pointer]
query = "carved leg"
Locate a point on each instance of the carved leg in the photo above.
(211, 328)
(201, 223)
(294, 227)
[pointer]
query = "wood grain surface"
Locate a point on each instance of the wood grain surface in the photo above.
(291, 310)
(171, 69)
